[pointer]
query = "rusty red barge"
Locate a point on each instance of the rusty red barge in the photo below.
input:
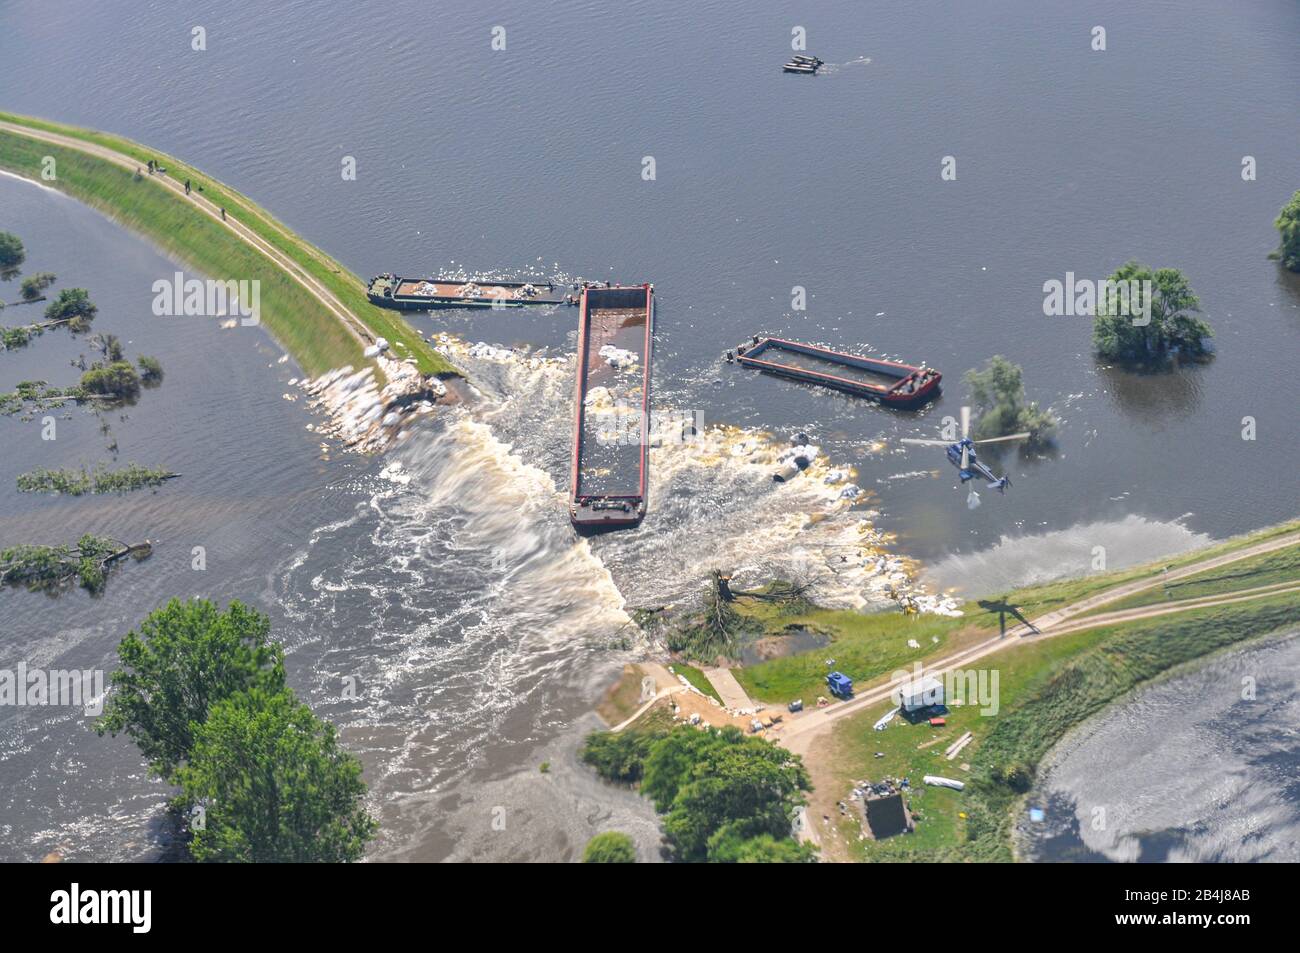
(891, 383)
(611, 428)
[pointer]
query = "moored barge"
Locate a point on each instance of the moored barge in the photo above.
(892, 383)
(611, 426)
(429, 294)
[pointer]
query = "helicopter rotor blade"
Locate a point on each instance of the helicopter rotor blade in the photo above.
(965, 422)
(925, 443)
(1014, 436)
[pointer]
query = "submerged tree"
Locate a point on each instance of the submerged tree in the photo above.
(117, 380)
(34, 286)
(72, 307)
(50, 568)
(12, 255)
(997, 394)
(1164, 322)
(1288, 225)
(273, 784)
(186, 657)
(151, 372)
(100, 480)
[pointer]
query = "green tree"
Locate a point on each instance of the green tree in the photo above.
(34, 286)
(74, 306)
(725, 848)
(151, 372)
(998, 396)
(619, 756)
(738, 787)
(1288, 224)
(187, 657)
(12, 254)
(671, 763)
(116, 381)
(1172, 325)
(274, 785)
(611, 847)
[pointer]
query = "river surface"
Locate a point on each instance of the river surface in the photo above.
(479, 629)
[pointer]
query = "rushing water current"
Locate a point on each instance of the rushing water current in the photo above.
(444, 581)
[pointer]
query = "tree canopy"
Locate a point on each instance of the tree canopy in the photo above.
(610, 847)
(117, 380)
(1173, 324)
(186, 657)
(34, 286)
(726, 797)
(997, 394)
(12, 254)
(1288, 225)
(273, 785)
(74, 306)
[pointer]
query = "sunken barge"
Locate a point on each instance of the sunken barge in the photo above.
(430, 294)
(891, 383)
(807, 65)
(611, 414)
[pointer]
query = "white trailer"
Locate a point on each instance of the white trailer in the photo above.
(924, 692)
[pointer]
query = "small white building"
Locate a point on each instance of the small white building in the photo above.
(924, 692)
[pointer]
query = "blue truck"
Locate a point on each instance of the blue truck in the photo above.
(840, 685)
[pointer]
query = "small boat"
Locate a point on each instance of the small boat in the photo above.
(429, 294)
(891, 383)
(794, 67)
(809, 60)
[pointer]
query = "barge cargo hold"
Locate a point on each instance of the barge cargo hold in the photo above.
(428, 294)
(611, 416)
(898, 385)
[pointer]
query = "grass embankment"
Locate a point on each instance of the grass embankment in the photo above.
(868, 648)
(697, 679)
(1268, 569)
(863, 647)
(296, 318)
(1045, 688)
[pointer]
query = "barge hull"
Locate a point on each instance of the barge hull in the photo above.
(611, 428)
(889, 382)
(433, 294)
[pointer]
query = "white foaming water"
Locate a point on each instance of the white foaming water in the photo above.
(475, 602)
(475, 622)
(712, 501)
(1028, 560)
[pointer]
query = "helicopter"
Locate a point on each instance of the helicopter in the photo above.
(962, 456)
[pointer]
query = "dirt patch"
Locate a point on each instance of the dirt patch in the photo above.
(622, 698)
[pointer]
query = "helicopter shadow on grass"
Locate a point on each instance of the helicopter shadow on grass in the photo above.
(1004, 608)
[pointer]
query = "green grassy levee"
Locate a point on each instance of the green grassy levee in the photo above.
(314, 337)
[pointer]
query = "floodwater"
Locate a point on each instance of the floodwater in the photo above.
(479, 628)
(1131, 785)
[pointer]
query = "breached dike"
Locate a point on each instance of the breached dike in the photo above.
(363, 417)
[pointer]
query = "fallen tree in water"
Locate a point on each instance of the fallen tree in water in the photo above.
(99, 480)
(726, 617)
(72, 309)
(50, 568)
